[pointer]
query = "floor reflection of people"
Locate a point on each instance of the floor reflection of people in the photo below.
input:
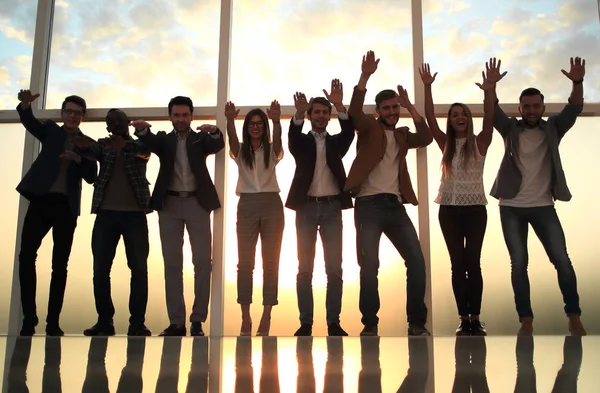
(96, 380)
(418, 366)
(269, 372)
(470, 355)
(305, 383)
(51, 382)
(19, 360)
(131, 377)
(566, 379)
(526, 379)
(369, 377)
(168, 374)
(198, 375)
(334, 368)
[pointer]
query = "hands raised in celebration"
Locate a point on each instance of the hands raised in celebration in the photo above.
(336, 96)
(403, 98)
(230, 112)
(274, 111)
(301, 103)
(425, 73)
(369, 64)
(26, 97)
(577, 71)
(491, 75)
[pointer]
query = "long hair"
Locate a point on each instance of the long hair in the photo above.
(468, 152)
(247, 151)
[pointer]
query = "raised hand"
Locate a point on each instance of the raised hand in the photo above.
(274, 111)
(230, 112)
(26, 97)
(71, 156)
(369, 64)
(425, 73)
(492, 72)
(140, 124)
(577, 71)
(300, 102)
(403, 99)
(337, 92)
(83, 142)
(210, 128)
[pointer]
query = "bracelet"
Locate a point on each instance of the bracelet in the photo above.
(578, 82)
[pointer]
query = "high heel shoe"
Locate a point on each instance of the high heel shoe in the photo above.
(247, 332)
(264, 332)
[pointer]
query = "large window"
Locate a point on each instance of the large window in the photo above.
(534, 40)
(132, 54)
(17, 26)
(282, 47)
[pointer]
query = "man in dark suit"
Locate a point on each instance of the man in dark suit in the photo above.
(184, 196)
(53, 187)
(316, 196)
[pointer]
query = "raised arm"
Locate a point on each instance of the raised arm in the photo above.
(436, 132)
(423, 136)
(488, 85)
(297, 122)
(336, 97)
(566, 118)
(274, 113)
(31, 124)
(231, 113)
(369, 66)
(142, 131)
(501, 120)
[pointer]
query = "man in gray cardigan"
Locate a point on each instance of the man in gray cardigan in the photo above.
(530, 178)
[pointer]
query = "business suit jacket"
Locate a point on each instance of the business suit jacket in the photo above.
(44, 170)
(199, 146)
(372, 143)
(304, 150)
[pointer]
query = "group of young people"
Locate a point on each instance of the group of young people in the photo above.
(377, 186)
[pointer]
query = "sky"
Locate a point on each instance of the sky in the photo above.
(134, 54)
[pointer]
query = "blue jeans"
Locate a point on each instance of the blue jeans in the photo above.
(546, 226)
(326, 218)
(384, 214)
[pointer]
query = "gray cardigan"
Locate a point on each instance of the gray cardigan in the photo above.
(508, 180)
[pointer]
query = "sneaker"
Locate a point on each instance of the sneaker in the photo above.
(138, 330)
(477, 328)
(100, 329)
(174, 330)
(369, 330)
(418, 329)
(464, 329)
(336, 330)
(196, 329)
(304, 330)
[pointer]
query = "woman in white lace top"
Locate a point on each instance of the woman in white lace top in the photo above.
(463, 214)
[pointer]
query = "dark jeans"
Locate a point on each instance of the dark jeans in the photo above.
(49, 211)
(546, 225)
(464, 228)
(326, 218)
(383, 213)
(109, 226)
(470, 355)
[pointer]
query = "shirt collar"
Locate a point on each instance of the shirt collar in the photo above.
(319, 135)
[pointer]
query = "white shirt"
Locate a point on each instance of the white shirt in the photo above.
(383, 179)
(258, 178)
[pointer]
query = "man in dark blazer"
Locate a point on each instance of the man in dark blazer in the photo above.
(184, 196)
(317, 197)
(53, 187)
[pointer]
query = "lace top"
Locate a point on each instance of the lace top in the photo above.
(464, 187)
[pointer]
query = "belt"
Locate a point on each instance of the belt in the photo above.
(181, 194)
(322, 199)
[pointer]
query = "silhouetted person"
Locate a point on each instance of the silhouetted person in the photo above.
(19, 360)
(244, 374)
(470, 355)
(305, 383)
(334, 368)
(418, 366)
(566, 379)
(526, 380)
(198, 376)
(131, 377)
(369, 377)
(168, 375)
(269, 370)
(96, 380)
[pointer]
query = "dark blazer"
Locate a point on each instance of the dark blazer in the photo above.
(304, 149)
(44, 170)
(199, 146)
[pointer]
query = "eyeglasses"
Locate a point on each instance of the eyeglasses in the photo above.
(72, 112)
(256, 124)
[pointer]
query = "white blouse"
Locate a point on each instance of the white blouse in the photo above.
(258, 178)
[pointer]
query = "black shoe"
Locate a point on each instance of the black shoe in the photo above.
(54, 330)
(28, 326)
(174, 330)
(304, 330)
(100, 329)
(477, 328)
(418, 329)
(464, 329)
(138, 330)
(196, 329)
(336, 330)
(369, 330)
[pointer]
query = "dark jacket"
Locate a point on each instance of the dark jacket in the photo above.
(45, 169)
(199, 146)
(304, 150)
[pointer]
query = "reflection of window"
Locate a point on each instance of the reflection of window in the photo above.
(533, 39)
(128, 54)
(17, 23)
(303, 45)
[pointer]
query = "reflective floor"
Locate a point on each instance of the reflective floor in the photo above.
(271, 364)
